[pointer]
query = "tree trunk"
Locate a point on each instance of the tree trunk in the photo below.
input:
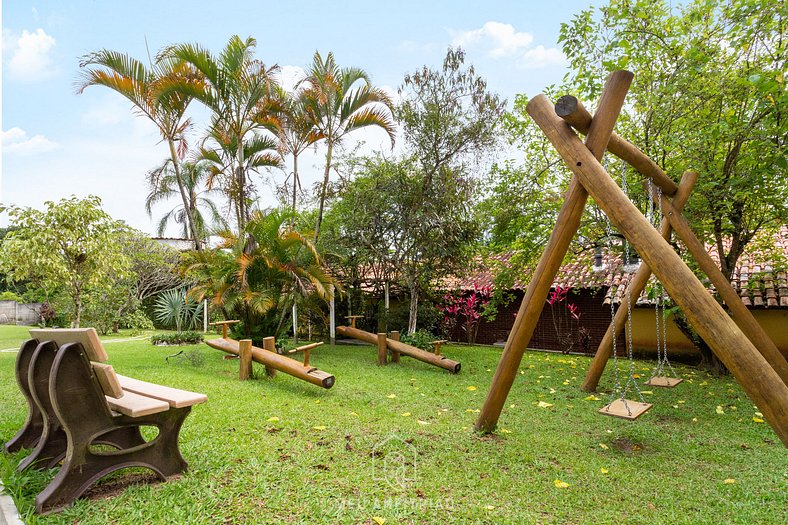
(708, 361)
(295, 183)
(77, 310)
(189, 214)
(414, 306)
(323, 190)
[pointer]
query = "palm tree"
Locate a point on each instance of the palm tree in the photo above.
(141, 85)
(238, 89)
(339, 101)
(296, 132)
(162, 183)
(257, 275)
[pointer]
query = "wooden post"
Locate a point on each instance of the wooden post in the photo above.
(394, 353)
(295, 324)
(269, 343)
(205, 316)
(740, 314)
(566, 226)
(245, 352)
(383, 349)
(636, 286)
(761, 382)
(571, 110)
(332, 321)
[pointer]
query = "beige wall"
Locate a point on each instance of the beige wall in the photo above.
(775, 322)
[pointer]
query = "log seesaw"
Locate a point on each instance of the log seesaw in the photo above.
(268, 357)
(385, 343)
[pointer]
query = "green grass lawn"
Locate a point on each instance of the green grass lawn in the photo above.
(396, 443)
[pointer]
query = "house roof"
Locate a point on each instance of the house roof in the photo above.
(755, 277)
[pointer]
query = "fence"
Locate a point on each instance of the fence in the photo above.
(12, 312)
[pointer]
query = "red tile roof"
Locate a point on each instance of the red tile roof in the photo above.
(755, 278)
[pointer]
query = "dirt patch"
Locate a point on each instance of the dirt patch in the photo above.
(114, 485)
(627, 446)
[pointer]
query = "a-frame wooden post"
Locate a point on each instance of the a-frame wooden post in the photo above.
(761, 382)
(573, 112)
(567, 224)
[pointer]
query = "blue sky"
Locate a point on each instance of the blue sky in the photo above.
(56, 143)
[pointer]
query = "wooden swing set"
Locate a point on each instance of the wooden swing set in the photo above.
(736, 339)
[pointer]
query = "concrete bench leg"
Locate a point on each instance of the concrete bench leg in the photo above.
(30, 432)
(82, 411)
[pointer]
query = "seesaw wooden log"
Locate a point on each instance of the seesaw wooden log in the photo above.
(402, 348)
(277, 362)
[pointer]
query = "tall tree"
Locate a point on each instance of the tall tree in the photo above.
(448, 116)
(296, 132)
(72, 245)
(339, 101)
(141, 85)
(163, 181)
(709, 95)
(239, 91)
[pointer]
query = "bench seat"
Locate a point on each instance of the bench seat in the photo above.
(175, 397)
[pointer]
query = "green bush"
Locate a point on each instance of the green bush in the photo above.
(420, 339)
(177, 338)
(10, 296)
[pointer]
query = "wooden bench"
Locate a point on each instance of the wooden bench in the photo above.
(77, 402)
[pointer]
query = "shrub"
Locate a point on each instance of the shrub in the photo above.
(178, 338)
(174, 309)
(10, 296)
(420, 339)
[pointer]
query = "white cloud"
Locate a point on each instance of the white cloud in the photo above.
(289, 76)
(16, 142)
(502, 39)
(28, 54)
(541, 56)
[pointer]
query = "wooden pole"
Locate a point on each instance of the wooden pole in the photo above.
(332, 314)
(636, 287)
(383, 349)
(751, 370)
(566, 226)
(205, 316)
(394, 353)
(295, 324)
(269, 343)
(245, 352)
(740, 314)
(571, 110)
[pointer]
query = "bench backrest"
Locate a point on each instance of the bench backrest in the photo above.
(87, 337)
(89, 340)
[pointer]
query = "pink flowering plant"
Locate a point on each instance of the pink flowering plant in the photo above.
(566, 320)
(466, 309)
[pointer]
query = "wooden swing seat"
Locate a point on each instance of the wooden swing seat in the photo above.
(664, 382)
(618, 408)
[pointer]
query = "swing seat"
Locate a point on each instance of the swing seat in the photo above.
(625, 409)
(664, 382)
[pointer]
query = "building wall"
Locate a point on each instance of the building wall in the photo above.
(595, 318)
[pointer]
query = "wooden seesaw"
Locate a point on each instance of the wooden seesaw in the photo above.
(389, 343)
(267, 356)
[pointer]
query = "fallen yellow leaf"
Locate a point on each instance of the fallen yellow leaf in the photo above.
(490, 507)
(317, 401)
(647, 392)
(405, 414)
(552, 390)
(719, 410)
(542, 404)
(378, 520)
(505, 431)
(476, 410)
(592, 397)
(391, 396)
(729, 481)
(603, 470)
(560, 484)
(758, 414)
(603, 446)
(319, 427)
(757, 420)
(273, 419)
(635, 376)
(353, 414)
(471, 388)
(420, 422)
